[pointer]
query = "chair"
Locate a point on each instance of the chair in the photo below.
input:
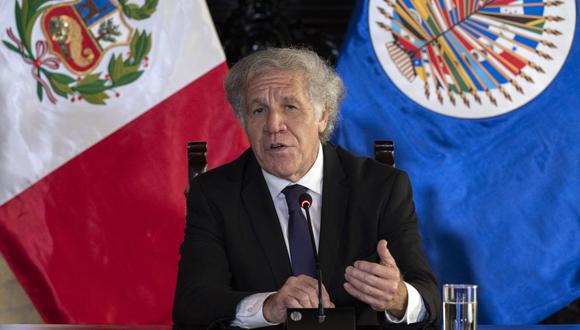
(385, 152)
(196, 161)
(197, 156)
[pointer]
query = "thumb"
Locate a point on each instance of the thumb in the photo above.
(384, 254)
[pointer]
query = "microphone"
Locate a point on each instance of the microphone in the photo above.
(341, 318)
(305, 201)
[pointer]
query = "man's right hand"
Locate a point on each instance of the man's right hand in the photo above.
(298, 292)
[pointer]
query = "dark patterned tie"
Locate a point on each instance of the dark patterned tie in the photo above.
(298, 235)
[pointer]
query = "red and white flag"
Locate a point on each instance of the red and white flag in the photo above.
(97, 101)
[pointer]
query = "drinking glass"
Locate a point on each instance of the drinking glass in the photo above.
(459, 307)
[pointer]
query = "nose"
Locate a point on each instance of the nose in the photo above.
(275, 121)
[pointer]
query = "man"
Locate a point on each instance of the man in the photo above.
(245, 258)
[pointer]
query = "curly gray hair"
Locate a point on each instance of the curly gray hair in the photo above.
(323, 85)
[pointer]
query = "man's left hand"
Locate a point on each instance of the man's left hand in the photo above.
(379, 285)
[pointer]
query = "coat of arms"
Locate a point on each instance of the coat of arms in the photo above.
(472, 58)
(78, 35)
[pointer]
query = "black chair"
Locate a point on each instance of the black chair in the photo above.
(385, 152)
(197, 157)
(196, 161)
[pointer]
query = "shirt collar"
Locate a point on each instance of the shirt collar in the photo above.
(311, 180)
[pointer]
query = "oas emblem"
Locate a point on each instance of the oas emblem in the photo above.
(77, 37)
(472, 58)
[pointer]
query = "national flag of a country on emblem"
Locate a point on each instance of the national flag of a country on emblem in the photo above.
(98, 99)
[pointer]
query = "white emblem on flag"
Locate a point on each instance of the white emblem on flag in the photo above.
(472, 59)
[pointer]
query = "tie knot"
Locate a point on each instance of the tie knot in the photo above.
(292, 194)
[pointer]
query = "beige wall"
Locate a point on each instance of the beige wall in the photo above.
(15, 306)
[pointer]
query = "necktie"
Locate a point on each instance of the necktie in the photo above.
(298, 234)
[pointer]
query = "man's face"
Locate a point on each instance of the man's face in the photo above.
(282, 125)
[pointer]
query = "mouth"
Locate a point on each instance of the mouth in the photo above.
(277, 146)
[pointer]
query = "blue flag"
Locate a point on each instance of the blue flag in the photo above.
(483, 103)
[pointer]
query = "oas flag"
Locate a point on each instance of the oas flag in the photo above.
(98, 99)
(481, 99)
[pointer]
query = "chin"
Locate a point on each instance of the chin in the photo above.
(282, 173)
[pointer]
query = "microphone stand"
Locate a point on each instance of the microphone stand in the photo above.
(306, 206)
(341, 318)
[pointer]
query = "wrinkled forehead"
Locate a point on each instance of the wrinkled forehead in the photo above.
(278, 83)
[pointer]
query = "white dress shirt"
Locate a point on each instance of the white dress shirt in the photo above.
(249, 311)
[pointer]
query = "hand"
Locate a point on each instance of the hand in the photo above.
(379, 285)
(298, 292)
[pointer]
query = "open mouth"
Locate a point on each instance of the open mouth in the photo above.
(276, 146)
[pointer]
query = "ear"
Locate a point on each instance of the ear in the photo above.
(323, 120)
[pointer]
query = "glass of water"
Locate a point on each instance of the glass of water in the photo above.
(459, 307)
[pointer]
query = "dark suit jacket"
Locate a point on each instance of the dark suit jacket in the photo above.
(234, 247)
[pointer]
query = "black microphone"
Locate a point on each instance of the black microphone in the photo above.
(305, 201)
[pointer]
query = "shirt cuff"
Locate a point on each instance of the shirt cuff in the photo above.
(415, 311)
(249, 312)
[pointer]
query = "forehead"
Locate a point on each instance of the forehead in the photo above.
(278, 82)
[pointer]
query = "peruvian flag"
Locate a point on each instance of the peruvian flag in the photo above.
(98, 99)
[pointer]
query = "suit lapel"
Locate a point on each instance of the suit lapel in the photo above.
(334, 208)
(262, 216)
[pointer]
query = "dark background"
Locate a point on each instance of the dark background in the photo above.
(245, 26)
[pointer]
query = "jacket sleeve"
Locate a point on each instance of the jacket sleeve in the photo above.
(203, 293)
(400, 227)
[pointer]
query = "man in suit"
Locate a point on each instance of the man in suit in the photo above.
(246, 258)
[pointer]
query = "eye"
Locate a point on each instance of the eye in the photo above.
(290, 107)
(258, 111)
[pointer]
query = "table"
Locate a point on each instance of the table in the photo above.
(168, 327)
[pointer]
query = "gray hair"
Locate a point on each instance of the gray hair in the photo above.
(323, 85)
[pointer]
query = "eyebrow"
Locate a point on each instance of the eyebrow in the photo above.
(258, 101)
(263, 101)
(291, 99)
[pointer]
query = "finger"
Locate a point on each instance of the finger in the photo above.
(326, 298)
(304, 283)
(379, 270)
(309, 296)
(384, 254)
(373, 274)
(312, 293)
(301, 297)
(383, 286)
(373, 268)
(306, 293)
(309, 286)
(313, 283)
(374, 303)
(291, 302)
(314, 299)
(302, 289)
(368, 289)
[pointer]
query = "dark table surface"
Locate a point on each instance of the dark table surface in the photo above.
(168, 327)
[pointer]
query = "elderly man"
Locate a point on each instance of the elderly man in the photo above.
(246, 256)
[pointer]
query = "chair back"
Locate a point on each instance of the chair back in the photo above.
(385, 152)
(197, 157)
(196, 161)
